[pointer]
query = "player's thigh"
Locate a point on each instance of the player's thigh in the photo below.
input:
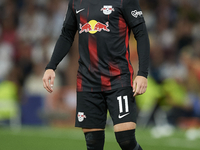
(122, 107)
(124, 126)
(91, 110)
(91, 130)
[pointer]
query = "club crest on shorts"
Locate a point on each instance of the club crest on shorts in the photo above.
(107, 9)
(81, 116)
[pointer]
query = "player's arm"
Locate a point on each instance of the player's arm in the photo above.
(143, 49)
(61, 48)
(134, 18)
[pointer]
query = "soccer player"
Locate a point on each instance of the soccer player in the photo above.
(105, 75)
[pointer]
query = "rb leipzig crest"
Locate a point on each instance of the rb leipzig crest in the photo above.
(107, 9)
(81, 116)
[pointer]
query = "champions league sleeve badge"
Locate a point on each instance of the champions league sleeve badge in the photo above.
(107, 9)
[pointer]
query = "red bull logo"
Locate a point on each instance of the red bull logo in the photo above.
(93, 26)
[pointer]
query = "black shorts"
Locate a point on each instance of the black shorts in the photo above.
(91, 111)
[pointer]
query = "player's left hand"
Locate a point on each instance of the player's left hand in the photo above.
(139, 85)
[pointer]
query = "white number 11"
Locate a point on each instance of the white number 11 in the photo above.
(119, 98)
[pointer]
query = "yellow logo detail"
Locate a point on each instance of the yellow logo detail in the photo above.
(93, 26)
(92, 23)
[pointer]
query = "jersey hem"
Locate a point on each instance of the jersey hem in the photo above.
(104, 90)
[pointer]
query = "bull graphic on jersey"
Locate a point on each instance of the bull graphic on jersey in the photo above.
(93, 26)
(85, 28)
(100, 26)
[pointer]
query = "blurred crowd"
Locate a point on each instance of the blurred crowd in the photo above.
(29, 30)
(173, 93)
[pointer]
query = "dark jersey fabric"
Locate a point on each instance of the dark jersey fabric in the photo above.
(104, 30)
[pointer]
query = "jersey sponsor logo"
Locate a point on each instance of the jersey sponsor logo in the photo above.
(81, 116)
(78, 11)
(122, 116)
(107, 9)
(136, 13)
(93, 26)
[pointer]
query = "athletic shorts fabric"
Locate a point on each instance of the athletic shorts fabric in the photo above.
(92, 107)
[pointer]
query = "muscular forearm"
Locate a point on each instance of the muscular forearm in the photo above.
(143, 48)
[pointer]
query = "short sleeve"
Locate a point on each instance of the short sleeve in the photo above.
(132, 12)
(70, 19)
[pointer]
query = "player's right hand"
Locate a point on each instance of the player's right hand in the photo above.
(48, 80)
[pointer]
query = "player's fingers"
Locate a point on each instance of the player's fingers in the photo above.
(135, 94)
(134, 86)
(142, 89)
(137, 91)
(46, 85)
(52, 83)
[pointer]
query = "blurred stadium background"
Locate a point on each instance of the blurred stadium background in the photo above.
(30, 118)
